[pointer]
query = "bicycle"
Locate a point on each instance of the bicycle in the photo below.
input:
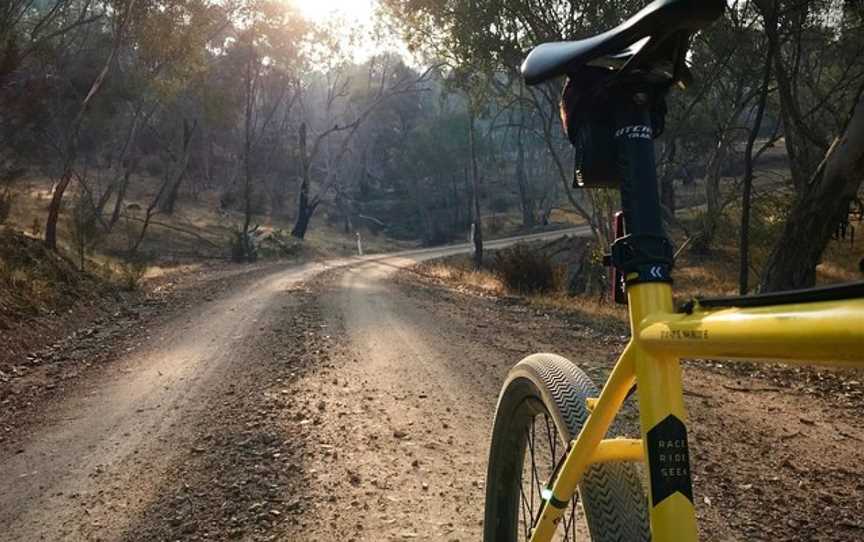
(613, 108)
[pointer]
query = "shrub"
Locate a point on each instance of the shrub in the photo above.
(86, 228)
(243, 247)
(589, 276)
(132, 270)
(280, 244)
(527, 271)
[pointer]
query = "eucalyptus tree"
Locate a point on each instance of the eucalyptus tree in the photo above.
(110, 73)
(490, 38)
(262, 59)
(119, 17)
(818, 60)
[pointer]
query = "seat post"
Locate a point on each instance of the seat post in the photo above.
(645, 254)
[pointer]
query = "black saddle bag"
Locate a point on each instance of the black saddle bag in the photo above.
(587, 116)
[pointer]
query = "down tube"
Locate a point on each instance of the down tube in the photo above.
(664, 437)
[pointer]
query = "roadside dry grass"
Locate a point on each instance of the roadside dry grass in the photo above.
(458, 273)
(695, 275)
(34, 280)
(44, 296)
(198, 230)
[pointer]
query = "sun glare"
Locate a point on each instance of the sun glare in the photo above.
(355, 18)
(354, 11)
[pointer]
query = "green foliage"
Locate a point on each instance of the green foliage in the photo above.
(280, 244)
(33, 279)
(593, 277)
(132, 269)
(87, 230)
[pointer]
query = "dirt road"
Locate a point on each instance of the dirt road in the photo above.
(124, 426)
(409, 402)
(98, 454)
(352, 401)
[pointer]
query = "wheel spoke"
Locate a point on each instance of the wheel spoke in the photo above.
(552, 436)
(534, 474)
(542, 469)
(526, 507)
(529, 503)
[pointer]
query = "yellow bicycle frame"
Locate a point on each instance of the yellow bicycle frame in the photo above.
(823, 333)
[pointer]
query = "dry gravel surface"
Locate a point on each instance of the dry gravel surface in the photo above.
(352, 401)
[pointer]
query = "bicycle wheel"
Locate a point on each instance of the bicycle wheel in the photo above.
(541, 408)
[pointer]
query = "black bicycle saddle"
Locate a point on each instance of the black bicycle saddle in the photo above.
(652, 34)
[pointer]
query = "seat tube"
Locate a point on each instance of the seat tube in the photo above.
(634, 142)
(663, 419)
(645, 258)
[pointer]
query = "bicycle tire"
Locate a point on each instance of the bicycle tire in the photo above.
(612, 494)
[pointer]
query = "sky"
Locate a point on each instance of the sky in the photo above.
(355, 16)
(351, 10)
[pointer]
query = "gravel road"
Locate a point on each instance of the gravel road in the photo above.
(351, 400)
(95, 457)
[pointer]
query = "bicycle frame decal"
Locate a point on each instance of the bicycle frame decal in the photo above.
(669, 460)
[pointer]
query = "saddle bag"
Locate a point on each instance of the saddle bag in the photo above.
(588, 119)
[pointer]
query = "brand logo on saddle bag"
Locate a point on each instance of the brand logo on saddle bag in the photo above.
(639, 131)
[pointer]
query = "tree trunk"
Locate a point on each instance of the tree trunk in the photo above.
(713, 206)
(99, 208)
(54, 208)
(247, 152)
(304, 217)
(818, 209)
(475, 189)
(129, 163)
(667, 180)
(305, 208)
(564, 173)
(427, 232)
(207, 153)
(525, 199)
(168, 203)
(456, 205)
(121, 197)
(149, 215)
(120, 182)
(747, 189)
